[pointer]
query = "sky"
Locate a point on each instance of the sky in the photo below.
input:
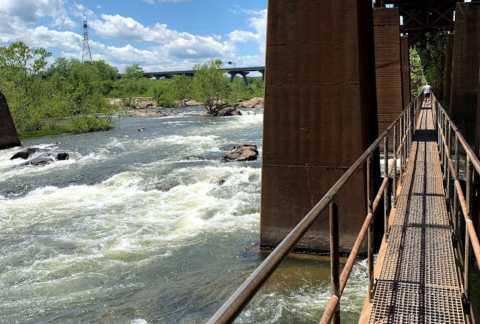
(159, 35)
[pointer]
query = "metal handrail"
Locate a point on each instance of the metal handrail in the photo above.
(445, 127)
(241, 297)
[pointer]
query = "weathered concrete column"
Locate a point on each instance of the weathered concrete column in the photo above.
(405, 55)
(388, 65)
(8, 133)
(447, 84)
(319, 116)
(463, 101)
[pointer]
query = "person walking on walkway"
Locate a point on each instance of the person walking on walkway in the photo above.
(427, 89)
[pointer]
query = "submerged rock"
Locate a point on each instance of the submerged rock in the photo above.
(242, 153)
(42, 159)
(46, 158)
(25, 153)
(63, 156)
(223, 111)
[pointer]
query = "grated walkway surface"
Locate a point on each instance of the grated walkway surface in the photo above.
(418, 282)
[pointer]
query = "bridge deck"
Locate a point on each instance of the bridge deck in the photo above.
(418, 281)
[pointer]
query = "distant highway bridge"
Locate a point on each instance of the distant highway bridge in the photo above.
(243, 71)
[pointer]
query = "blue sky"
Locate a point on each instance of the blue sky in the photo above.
(157, 34)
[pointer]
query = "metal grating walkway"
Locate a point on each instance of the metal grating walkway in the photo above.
(418, 282)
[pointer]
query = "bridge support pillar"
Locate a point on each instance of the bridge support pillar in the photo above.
(319, 116)
(447, 83)
(463, 100)
(406, 89)
(242, 73)
(8, 133)
(388, 65)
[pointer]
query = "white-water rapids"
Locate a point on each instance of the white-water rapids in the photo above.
(138, 228)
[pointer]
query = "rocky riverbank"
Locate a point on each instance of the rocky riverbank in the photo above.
(149, 102)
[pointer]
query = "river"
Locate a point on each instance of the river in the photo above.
(137, 227)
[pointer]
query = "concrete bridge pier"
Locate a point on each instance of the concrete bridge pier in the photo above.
(405, 57)
(242, 73)
(465, 69)
(8, 133)
(319, 116)
(388, 65)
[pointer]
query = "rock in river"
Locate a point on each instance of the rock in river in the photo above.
(25, 153)
(242, 153)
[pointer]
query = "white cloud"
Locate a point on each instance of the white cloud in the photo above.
(175, 44)
(28, 11)
(258, 22)
(168, 49)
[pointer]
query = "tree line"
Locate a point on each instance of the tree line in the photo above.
(71, 96)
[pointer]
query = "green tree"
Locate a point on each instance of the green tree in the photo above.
(417, 77)
(209, 84)
(21, 80)
(132, 83)
(180, 88)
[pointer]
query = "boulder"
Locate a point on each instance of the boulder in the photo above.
(46, 158)
(147, 113)
(192, 103)
(63, 156)
(145, 102)
(116, 101)
(223, 111)
(252, 103)
(242, 153)
(25, 153)
(42, 159)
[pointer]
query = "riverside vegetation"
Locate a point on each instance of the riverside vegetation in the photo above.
(71, 96)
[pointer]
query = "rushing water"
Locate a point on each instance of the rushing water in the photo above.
(138, 228)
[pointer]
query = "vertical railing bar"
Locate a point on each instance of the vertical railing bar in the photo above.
(395, 165)
(449, 145)
(440, 141)
(455, 193)
(444, 149)
(400, 129)
(335, 256)
(385, 191)
(467, 236)
(370, 228)
(409, 129)
(439, 135)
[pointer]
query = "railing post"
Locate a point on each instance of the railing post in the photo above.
(440, 140)
(449, 145)
(335, 256)
(437, 122)
(402, 156)
(370, 229)
(395, 165)
(408, 128)
(444, 148)
(386, 197)
(455, 193)
(467, 236)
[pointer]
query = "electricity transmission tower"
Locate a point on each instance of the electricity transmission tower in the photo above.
(86, 46)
